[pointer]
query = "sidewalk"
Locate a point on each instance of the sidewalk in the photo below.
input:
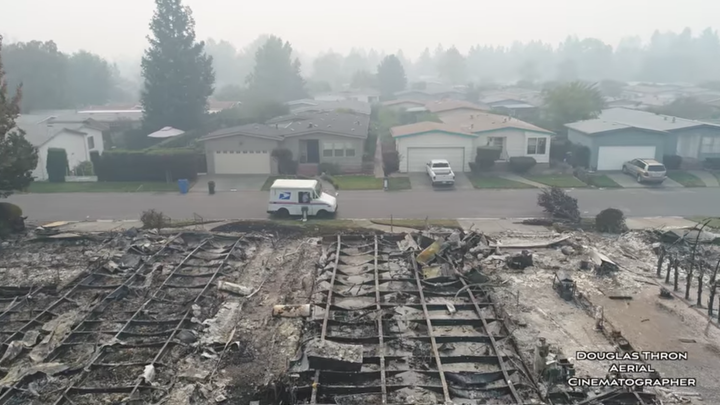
(487, 225)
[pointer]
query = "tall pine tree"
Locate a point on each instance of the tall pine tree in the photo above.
(178, 74)
(276, 77)
(18, 157)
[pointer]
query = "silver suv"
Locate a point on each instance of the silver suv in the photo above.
(645, 170)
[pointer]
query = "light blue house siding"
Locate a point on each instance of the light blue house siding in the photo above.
(689, 142)
(620, 137)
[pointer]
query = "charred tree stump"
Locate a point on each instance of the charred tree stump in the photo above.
(675, 267)
(711, 300)
(689, 277)
(700, 286)
(661, 259)
(671, 260)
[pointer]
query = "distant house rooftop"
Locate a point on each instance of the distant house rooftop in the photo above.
(613, 119)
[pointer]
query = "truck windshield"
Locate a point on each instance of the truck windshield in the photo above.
(441, 165)
(318, 190)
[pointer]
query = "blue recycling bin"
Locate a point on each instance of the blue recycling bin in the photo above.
(184, 186)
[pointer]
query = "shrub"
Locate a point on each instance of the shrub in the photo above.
(521, 164)
(10, 219)
(153, 219)
(610, 220)
(580, 156)
(147, 165)
(391, 162)
(329, 168)
(712, 163)
(486, 156)
(56, 165)
(556, 202)
(672, 162)
(84, 169)
(559, 148)
(286, 164)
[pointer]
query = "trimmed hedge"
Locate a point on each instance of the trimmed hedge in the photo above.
(486, 156)
(580, 156)
(56, 165)
(146, 165)
(672, 162)
(522, 164)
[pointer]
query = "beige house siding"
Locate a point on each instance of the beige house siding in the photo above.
(346, 163)
(432, 139)
(238, 143)
(516, 143)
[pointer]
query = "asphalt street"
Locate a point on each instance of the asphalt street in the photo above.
(368, 204)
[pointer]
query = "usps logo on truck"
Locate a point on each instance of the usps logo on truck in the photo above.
(284, 196)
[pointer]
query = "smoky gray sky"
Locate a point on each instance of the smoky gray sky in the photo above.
(117, 28)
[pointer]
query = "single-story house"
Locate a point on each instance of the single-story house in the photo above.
(313, 138)
(78, 140)
(450, 107)
(364, 95)
(621, 134)
(404, 104)
(307, 106)
(430, 94)
(457, 140)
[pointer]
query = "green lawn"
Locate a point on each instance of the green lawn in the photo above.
(558, 180)
(714, 221)
(686, 179)
(495, 182)
(398, 183)
(716, 173)
(358, 183)
(102, 187)
(603, 181)
(418, 223)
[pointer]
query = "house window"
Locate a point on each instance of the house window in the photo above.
(710, 145)
(91, 142)
(349, 150)
(536, 146)
(339, 149)
(327, 149)
(497, 142)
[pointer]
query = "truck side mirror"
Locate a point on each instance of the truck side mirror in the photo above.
(337, 193)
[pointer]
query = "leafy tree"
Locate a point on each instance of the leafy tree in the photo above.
(226, 62)
(318, 87)
(355, 61)
(328, 68)
(611, 88)
(230, 92)
(276, 76)
(452, 66)
(570, 102)
(90, 79)
(178, 74)
(391, 76)
(18, 157)
(42, 70)
(362, 79)
(425, 65)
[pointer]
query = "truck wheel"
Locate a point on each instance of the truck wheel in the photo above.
(322, 214)
(282, 213)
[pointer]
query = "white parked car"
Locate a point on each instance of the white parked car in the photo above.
(440, 172)
(296, 197)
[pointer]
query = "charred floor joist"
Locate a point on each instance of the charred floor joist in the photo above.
(436, 340)
(115, 335)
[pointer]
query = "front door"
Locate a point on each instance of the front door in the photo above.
(313, 150)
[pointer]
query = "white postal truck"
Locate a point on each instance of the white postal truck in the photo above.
(293, 197)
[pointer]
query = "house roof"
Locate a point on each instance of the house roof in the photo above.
(359, 107)
(483, 122)
(429, 91)
(333, 123)
(403, 101)
(427, 126)
(449, 105)
(613, 119)
(39, 134)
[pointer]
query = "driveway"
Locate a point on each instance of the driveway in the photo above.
(627, 181)
(421, 181)
(230, 182)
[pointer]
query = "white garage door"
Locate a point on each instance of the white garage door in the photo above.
(418, 157)
(242, 162)
(613, 157)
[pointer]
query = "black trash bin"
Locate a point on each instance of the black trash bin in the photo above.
(211, 187)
